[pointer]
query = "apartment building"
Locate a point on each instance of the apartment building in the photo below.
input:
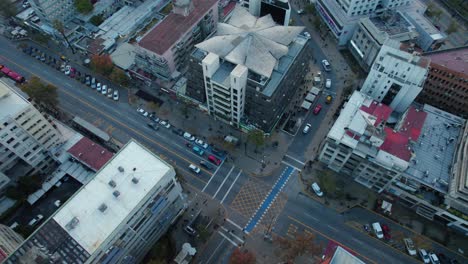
(280, 10)
(9, 241)
(25, 134)
(446, 86)
(248, 72)
(411, 157)
(342, 16)
(396, 76)
(50, 10)
(163, 52)
(430, 38)
(115, 218)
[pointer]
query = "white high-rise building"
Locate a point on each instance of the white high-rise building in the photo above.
(115, 218)
(25, 134)
(396, 76)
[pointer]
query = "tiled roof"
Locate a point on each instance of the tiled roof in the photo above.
(173, 27)
(455, 59)
(380, 111)
(91, 154)
(397, 144)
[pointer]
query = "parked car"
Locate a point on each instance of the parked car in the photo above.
(188, 145)
(153, 126)
(72, 73)
(142, 112)
(316, 189)
(98, 87)
(434, 259)
(205, 164)
(328, 83)
(189, 136)
(35, 220)
(306, 128)
(88, 80)
(67, 70)
(116, 95)
(386, 232)
(443, 259)
(326, 65)
(194, 168)
(424, 256)
(178, 131)
(300, 11)
(198, 150)
(317, 109)
(410, 246)
(109, 93)
(165, 124)
(58, 184)
(217, 151)
(329, 99)
(201, 143)
(104, 89)
(377, 230)
(214, 160)
(93, 83)
(57, 203)
(14, 225)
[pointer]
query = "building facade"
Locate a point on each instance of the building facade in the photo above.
(446, 86)
(25, 134)
(410, 158)
(163, 52)
(9, 241)
(430, 38)
(396, 76)
(115, 218)
(248, 81)
(342, 16)
(50, 10)
(280, 10)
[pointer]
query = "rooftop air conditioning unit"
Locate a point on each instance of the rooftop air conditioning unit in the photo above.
(112, 184)
(135, 180)
(103, 208)
(116, 193)
(121, 169)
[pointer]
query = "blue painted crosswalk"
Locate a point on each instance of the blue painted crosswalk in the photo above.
(270, 198)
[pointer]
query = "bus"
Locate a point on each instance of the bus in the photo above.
(11, 74)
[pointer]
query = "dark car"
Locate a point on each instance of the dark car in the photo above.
(443, 259)
(178, 131)
(188, 145)
(218, 152)
(205, 164)
(153, 126)
(214, 160)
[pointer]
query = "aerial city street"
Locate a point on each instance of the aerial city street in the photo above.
(222, 131)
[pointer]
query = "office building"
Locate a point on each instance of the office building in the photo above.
(280, 10)
(115, 218)
(248, 72)
(446, 86)
(163, 51)
(430, 38)
(411, 157)
(9, 241)
(342, 16)
(25, 134)
(372, 32)
(396, 77)
(50, 10)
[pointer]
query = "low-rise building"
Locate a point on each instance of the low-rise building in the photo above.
(247, 73)
(163, 52)
(430, 38)
(9, 241)
(25, 134)
(50, 10)
(446, 86)
(115, 218)
(396, 76)
(411, 157)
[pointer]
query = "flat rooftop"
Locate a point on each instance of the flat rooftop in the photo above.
(81, 217)
(90, 153)
(174, 26)
(222, 74)
(391, 22)
(435, 148)
(11, 103)
(453, 59)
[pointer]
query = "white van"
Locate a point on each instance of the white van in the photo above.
(377, 230)
(328, 84)
(316, 189)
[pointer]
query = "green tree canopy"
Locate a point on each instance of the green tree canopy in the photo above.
(256, 137)
(7, 8)
(84, 6)
(452, 28)
(119, 76)
(43, 94)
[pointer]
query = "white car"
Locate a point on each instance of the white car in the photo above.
(306, 128)
(109, 93)
(142, 112)
(201, 143)
(316, 189)
(189, 136)
(104, 89)
(434, 258)
(98, 87)
(307, 34)
(67, 70)
(326, 65)
(35, 220)
(58, 184)
(410, 246)
(57, 203)
(424, 256)
(194, 168)
(328, 83)
(116, 95)
(165, 124)
(377, 230)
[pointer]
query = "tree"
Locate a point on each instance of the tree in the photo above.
(58, 25)
(310, 8)
(43, 94)
(84, 6)
(152, 106)
(300, 245)
(256, 137)
(452, 28)
(239, 256)
(327, 182)
(96, 20)
(26, 185)
(102, 64)
(119, 76)
(7, 9)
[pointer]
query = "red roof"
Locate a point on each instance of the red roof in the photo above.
(91, 154)
(174, 26)
(413, 123)
(228, 9)
(380, 111)
(397, 144)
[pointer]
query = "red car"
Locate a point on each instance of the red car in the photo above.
(214, 160)
(317, 109)
(386, 232)
(72, 72)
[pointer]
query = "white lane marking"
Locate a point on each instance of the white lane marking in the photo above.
(234, 224)
(357, 240)
(291, 165)
(216, 249)
(309, 215)
(230, 187)
(228, 239)
(212, 176)
(299, 161)
(332, 228)
(232, 234)
(225, 178)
